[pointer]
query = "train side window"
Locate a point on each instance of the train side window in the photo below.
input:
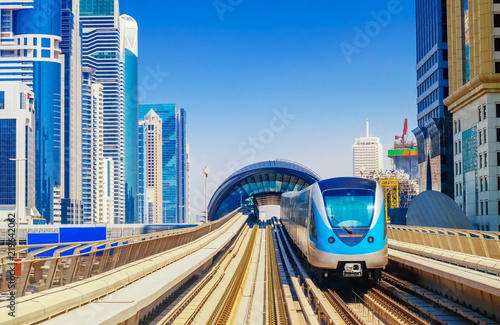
(312, 223)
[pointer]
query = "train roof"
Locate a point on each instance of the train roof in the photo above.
(347, 182)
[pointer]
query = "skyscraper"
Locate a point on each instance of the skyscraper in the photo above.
(17, 141)
(142, 174)
(367, 155)
(474, 101)
(174, 166)
(102, 52)
(72, 116)
(434, 133)
(128, 33)
(100, 210)
(30, 37)
(153, 127)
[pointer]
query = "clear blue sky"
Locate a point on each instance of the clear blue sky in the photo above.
(231, 73)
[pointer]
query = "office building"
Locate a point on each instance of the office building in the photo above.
(31, 54)
(142, 174)
(74, 168)
(474, 101)
(102, 52)
(434, 133)
(174, 164)
(153, 127)
(17, 141)
(367, 155)
(100, 211)
(128, 34)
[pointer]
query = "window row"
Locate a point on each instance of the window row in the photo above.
(427, 65)
(458, 168)
(434, 96)
(483, 208)
(433, 78)
(457, 126)
(481, 136)
(458, 188)
(483, 163)
(483, 184)
(482, 113)
(458, 147)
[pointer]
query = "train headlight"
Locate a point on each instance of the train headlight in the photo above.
(331, 240)
(370, 239)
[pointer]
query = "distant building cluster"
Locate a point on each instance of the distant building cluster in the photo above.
(71, 125)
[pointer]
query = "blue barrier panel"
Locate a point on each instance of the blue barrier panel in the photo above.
(82, 234)
(43, 238)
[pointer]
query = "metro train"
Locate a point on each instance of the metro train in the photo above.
(339, 226)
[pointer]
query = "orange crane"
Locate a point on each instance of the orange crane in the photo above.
(402, 138)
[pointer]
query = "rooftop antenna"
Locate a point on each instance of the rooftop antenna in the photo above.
(367, 128)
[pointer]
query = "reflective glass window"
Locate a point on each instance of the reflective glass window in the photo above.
(349, 207)
(45, 42)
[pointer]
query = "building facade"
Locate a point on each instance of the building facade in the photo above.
(73, 168)
(174, 161)
(434, 132)
(30, 37)
(101, 213)
(128, 34)
(141, 195)
(102, 51)
(17, 141)
(474, 101)
(368, 155)
(154, 185)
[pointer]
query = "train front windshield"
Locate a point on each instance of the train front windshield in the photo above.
(349, 208)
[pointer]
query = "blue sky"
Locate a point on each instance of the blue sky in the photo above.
(232, 64)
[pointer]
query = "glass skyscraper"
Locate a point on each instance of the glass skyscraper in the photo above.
(102, 52)
(434, 131)
(17, 140)
(75, 169)
(128, 33)
(174, 160)
(30, 52)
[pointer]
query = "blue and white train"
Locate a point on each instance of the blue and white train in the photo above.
(339, 225)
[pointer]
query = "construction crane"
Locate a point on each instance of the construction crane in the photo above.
(402, 138)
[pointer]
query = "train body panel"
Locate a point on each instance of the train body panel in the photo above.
(338, 223)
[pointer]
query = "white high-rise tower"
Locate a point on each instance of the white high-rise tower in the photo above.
(367, 154)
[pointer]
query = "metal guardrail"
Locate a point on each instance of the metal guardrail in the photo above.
(479, 243)
(88, 259)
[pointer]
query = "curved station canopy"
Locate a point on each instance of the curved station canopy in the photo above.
(259, 184)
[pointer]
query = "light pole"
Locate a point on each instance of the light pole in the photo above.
(206, 171)
(18, 196)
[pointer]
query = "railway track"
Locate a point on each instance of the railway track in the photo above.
(222, 313)
(227, 293)
(276, 312)
(187, 308)
(385, 304)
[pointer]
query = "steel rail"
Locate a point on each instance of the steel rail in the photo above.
(276, 304)
(408, 288)
(222, 312)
